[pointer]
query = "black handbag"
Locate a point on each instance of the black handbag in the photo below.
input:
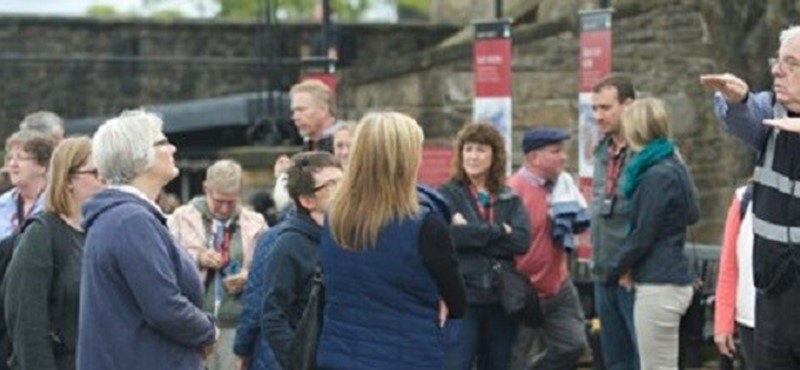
(303, 351)
(517, 296)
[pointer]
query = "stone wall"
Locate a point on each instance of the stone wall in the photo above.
(88, 67)
(665, 45)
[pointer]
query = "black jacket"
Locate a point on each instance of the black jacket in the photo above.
(662, 208)
(480, 244)
(288, 272)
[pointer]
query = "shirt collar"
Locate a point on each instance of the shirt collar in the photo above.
(533, 178)
(133, 190)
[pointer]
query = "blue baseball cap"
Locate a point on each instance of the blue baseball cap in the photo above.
(542, 136)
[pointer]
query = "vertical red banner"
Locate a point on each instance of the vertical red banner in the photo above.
(492, 69)
(595, 55)
(437, 159)
(595, 48)
(323, 69)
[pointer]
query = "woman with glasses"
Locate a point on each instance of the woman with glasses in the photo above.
(42, 284)
(27, 156)
(141, 296)
(389, 268)
(489, 227)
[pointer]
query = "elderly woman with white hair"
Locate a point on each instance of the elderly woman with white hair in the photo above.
(141, 297)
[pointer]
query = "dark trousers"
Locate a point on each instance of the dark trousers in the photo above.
(484, 336)
(614, 306)
(744, 350)
(564, 334)
(777, 332)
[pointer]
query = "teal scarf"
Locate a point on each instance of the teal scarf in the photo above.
(652, 153)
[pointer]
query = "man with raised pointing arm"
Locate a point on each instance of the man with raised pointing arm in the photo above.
(767, 122)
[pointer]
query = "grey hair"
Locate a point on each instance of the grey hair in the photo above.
(122, 148)
(42, 121)
(224, 175)
(789, 34)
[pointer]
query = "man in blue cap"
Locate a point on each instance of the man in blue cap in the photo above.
(545, 263)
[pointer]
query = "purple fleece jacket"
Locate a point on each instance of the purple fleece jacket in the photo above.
(141, 295)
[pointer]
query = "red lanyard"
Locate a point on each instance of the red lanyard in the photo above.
(19, 217)
(616, 161)
(223, 244)
(484, 209)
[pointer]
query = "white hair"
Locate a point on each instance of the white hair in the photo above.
(789, 34)
(122, 148)
(43, 121)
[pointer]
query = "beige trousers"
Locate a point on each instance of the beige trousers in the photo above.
(657, 315)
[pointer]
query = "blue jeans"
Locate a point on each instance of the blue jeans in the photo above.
(485, 333)
(614, 305)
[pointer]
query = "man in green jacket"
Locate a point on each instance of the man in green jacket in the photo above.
(610, 218)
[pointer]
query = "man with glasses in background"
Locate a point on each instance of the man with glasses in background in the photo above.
(221, 236)
(767, 122)
(291, 262)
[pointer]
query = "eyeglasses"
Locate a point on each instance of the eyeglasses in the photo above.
(788, 65)
(19, 157)
(327, 184)
(94, 172)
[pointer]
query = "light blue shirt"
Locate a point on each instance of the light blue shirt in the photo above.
(8, 211)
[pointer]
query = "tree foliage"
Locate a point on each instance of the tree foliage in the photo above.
(346, 10)
(102, 11)
(109, 11)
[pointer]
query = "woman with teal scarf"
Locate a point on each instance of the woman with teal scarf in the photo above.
(663, 205)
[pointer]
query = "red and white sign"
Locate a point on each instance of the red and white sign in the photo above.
(594, 64)
(323, 69)
(492, 67)
(435, 169)
(595, 57)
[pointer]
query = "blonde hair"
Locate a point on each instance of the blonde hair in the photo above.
(644, 120)
(68, 157)
(225, 176)
(379, 185)
(319, 91)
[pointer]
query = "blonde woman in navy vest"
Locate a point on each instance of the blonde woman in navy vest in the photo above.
(390, 272)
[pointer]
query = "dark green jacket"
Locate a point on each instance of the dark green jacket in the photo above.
(30, 287)
(608, 233)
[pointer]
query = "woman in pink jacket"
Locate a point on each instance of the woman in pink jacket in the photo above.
(734, 310)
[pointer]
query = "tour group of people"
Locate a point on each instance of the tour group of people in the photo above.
(98, 276)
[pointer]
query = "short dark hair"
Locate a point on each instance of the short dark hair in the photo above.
(621, 82)
(300, 177)
(37, 144)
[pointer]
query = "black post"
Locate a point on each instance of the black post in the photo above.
(498, 9)
(602, 4)
(326, 25)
